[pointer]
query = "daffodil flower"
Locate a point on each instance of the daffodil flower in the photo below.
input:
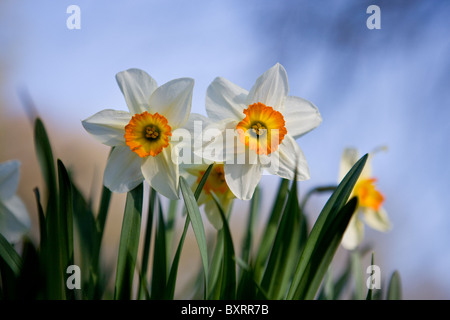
(214, 184)
(14, 218)
(141, 138)
(266, 121)
(370, 202)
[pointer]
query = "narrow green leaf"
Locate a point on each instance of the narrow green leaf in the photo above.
(65, 221)
(216, 268)
(395, 287)
(159, 273)
(228, 285)
(171, 228)
(129, 242)
(254, 208)
(45, 158)
(103, 211)
(369, 295)
(41, 217)
(321, 227)
(197, 224)
(358, 276)
(170, 288)
(10, 256)
(324, 253)
(285, 250)
(52, 264)
(202, 182)
(147, 239)
(269, 233)
(342, 281)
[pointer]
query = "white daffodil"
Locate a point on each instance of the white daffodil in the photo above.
(142, 137)
(370, 202)
(266, 122)
(14, 218)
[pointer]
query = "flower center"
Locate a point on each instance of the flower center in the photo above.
(216, 180)
(367, 195)
(262, 129)
(151, 133)
(147, 134)
(259, 129)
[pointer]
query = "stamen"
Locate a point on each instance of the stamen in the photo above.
(259, 129)
(151, 132)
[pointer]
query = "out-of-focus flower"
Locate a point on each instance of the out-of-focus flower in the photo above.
(142, 137)
(370, 202)
(214, 184)
(267, 122)
(14, 217)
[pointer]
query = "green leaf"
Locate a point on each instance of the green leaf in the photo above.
(271, 229)
(129, 242)
(323, 224)
(65, 222)
(395, 287)
(46, 160)
(10, 256)
(42, 222)
(197, 224)
(159, 274)
(342, 281)
(254, 208)
(103, 211)
(369, 295)
(216, 267)
(170, 288)
(324, 252)
(358, 276)
(147, 240)
(228, 285)
(285, 250)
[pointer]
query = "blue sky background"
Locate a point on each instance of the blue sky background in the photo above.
(373, 87)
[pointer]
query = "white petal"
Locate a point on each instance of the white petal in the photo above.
(213, 214)
(137, 87)
(286, 160)
(14, 219)
(195, 125)
(301, 116)
(271, 88)
(197, 122)
(225, 99)
(242, 179)
(108, 126)
(173, 100)
(354, 233)
(123, 170)
(349, 157)
(162, 173)
(377, 220)
(9, 178)
(219, 142)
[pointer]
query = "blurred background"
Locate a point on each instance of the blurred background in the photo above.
(382, 87)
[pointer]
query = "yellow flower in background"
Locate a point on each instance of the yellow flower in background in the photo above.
(142, 137)
(216, 184)
(370, 202)
(14, 218)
